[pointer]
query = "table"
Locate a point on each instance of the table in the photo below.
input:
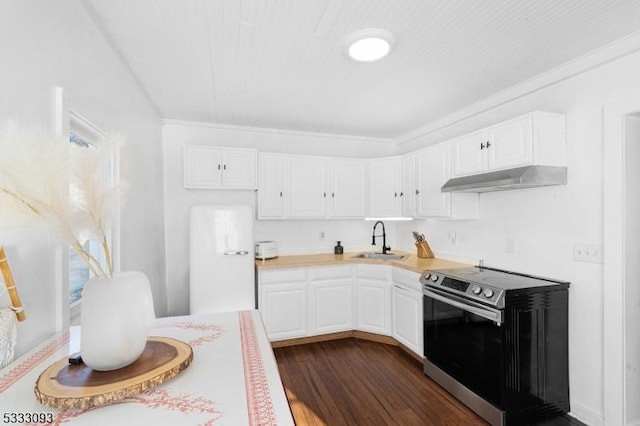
(233, 379)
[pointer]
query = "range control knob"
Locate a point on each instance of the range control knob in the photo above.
(427, 275)
(488, 293)
(434, 277)
(476, 289)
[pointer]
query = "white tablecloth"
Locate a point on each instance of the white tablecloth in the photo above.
(233, 379)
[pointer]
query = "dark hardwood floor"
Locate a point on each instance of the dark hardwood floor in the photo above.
(359, 382)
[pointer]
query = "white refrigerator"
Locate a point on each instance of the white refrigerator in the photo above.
(221, 268)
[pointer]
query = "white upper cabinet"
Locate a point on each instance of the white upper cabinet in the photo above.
(535, 138)
(307, 194)
(346, 191)
(433, 170)
(510, 144)
(300, 186)
(271, 189)
(385, 187)
(208, 167)
(469, 155)
(409, 189)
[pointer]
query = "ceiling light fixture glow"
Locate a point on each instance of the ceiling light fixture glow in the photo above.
(369, 45)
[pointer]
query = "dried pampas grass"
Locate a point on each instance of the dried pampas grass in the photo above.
(46, 181)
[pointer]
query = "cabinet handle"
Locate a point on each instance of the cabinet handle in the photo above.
(224, 167)
(417, 192)
(395, 194)
(402, 194)
(218, 166)
(333, 195)
(488, 144)
(325, 195)
(281, 193)
(481, 145)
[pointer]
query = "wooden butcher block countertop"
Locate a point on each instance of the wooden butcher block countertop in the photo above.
(410, 263)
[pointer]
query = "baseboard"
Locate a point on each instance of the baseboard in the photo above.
(312, 339)
(586, 415)
(387, 340)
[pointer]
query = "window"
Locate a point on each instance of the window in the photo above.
(85, 135)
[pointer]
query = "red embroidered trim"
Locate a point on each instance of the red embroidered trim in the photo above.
(259, 403)
(213, 331)
(157, 399)
(27, 365)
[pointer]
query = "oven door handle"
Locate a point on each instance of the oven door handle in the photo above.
(494, 315)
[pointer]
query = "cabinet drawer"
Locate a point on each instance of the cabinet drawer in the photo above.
(330, 272)
(282, 276)
(374, 272)
(408, 279)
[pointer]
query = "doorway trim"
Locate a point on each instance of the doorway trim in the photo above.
(614, 356)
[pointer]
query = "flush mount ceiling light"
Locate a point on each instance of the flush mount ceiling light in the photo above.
(369, 45)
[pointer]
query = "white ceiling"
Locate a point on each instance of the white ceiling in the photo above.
(280, 63)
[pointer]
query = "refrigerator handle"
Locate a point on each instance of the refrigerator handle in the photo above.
(236, 253)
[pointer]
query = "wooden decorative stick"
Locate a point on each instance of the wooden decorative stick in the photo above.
(11, 286)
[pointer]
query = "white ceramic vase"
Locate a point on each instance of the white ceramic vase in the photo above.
(115, 320)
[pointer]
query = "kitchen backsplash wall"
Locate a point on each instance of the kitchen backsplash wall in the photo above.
(320, 236)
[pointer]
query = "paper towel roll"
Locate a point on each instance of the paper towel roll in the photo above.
(8, 336)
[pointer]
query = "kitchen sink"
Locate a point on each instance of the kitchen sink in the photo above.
(385, 256)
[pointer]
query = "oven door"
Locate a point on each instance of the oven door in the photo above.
(464, 339)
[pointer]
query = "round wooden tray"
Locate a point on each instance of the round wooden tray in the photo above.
(63, 385)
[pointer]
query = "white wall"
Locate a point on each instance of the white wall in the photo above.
(547, 222)
(47, 44)
(300, 236)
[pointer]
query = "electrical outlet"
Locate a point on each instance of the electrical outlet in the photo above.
(510, 246)
(453, 238)
(587, 253)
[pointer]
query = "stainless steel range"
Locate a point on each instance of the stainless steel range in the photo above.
(497, 340)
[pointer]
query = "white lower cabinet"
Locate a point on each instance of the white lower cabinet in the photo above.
(373, 299)
(331, 301)
(407, 317)
(310, 301)
(282, 303)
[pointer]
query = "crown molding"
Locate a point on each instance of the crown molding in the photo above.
(591, 60)
(263, 130)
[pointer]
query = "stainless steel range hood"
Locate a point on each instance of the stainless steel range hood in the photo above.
(516, 178)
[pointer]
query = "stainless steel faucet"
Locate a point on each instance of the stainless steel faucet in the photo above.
(384, 237)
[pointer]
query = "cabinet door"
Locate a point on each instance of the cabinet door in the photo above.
(407, 318)
(271, 191)
(373, 306)
(239, 168)
(307, 195)
(331, 306)
(283, 308)
(202, 167)
(408, 192)
(511, 144)
(434, 169)
(470, 154)
(384, 187)
(347, 183)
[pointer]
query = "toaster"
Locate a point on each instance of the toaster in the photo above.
(266, 250)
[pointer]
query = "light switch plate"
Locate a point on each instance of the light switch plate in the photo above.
(588, 253)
